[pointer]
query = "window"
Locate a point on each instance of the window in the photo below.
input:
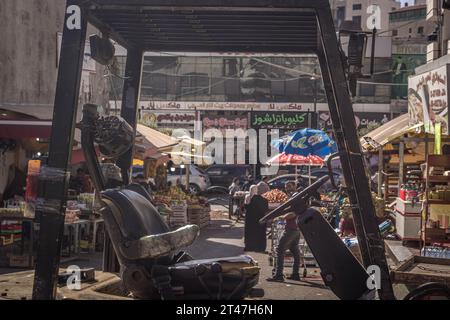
(410, 30)
(420, 30)
(357, 6)
(394, 33)
(340, 15)
(356, 20)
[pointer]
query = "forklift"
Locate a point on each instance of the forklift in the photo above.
(229, 26)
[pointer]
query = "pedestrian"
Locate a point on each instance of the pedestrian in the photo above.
(290, 188)
(263, 187)
(254, 232)
(248, 183)
(290, 239)
(234, 187)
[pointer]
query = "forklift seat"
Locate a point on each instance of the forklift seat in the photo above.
(151, 262)
(140, 230)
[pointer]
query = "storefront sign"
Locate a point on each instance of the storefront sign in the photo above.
(248, 106)
(167, 118)
(428, 99)
(279, 120)
(365, 121)
(403, 48)
(225, 122)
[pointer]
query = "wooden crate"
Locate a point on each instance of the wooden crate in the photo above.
(419, 270)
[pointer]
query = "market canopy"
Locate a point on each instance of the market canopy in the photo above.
(387, 133)
(154, 138)
(287, 26)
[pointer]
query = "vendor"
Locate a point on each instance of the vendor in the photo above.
(16, 183)
(82, 182)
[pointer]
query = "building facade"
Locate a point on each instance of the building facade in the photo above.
(29, 54)
(409, 30)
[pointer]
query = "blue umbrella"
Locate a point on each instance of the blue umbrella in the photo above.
(306, 142)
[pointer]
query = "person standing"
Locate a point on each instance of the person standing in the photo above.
(290, 239)
(234, 187)
(254, 232)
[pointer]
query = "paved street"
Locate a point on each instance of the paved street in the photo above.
(226, 238)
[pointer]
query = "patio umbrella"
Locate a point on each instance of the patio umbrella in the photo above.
(310, 143)
(284, 159)
(306, 142)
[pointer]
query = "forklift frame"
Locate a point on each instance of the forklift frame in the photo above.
(250, 26)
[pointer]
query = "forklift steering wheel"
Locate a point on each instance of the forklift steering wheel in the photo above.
(298, 200)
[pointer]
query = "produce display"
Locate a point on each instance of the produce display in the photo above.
(275, 196)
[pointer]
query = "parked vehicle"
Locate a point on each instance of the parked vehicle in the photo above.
(137, 170)
(198, 179)
(279, 182)
(223, 174)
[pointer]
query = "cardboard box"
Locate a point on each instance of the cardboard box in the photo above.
(435, 234)
(407, 207)
(407, 226)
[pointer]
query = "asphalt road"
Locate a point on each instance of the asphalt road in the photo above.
(224, 238)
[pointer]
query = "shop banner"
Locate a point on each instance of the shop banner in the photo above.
(224, 122)
(365, 121)
(280, 120)
(248, 106)
(167, 119)
(428, 99)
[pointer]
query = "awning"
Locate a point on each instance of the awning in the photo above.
(24, 129)
(150, 142)
(387, 133)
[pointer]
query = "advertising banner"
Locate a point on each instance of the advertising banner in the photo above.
(428, 99)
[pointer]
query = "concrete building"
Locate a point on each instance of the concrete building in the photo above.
(29, 52)
(31, 34)
(360, 12)
(409, 29)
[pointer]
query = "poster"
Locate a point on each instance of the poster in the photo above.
(365, 121)
(428, 99)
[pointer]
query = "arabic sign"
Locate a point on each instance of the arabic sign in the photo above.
(225, 122)
(279, 120)
(197, 105)
(365, 121)
(428, 99)
(168, 118)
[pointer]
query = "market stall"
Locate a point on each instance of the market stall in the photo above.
(179, 208)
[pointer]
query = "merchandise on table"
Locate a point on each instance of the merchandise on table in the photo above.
(276, 196)
(436, 252)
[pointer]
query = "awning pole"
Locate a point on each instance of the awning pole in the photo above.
(380, 173)
(401, 165)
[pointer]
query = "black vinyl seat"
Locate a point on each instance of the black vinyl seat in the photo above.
(148, 251)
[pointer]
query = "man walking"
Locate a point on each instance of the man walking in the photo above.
(289, 240)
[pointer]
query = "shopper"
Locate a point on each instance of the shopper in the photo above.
(263, 185)
(289, 240)
(234, 187)
(254, 232)
(248, 183)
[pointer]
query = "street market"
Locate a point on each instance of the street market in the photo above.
(238, 199)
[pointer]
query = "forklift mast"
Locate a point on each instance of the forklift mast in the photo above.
(297, 26)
